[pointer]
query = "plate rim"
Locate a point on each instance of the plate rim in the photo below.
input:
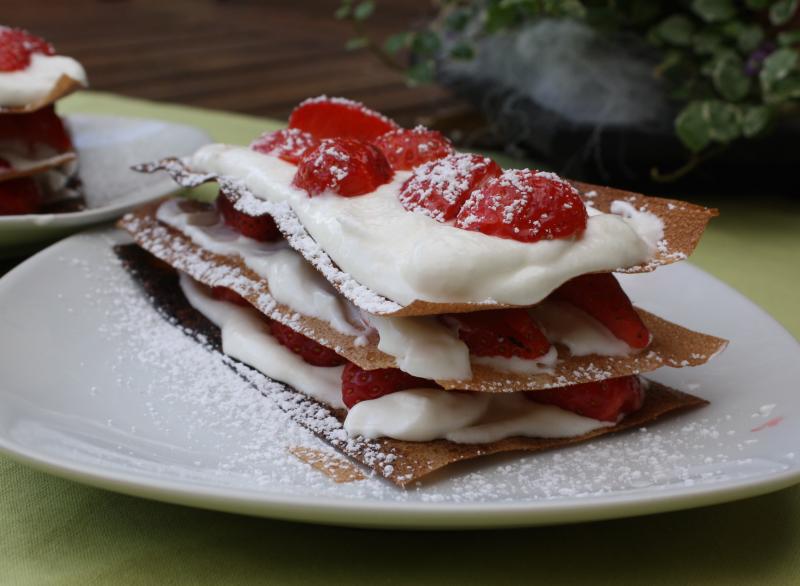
(393, 514)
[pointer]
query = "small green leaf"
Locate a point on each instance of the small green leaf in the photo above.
(706, 42)
(749, 38)
(364, 10)
(757, 4)
(356, 43)
(422, 72)
(729, 78)
(676, 30)
(572, 9)
(789, 38)
(754, 120)
(785, 89)
(777, 66)
(396, 43)
(732, 28)
(692, 128)
(462, 51)
(457, 20)
(723, 120)
(426, 43)
(343, 11)
(782, 11)
(714, 10)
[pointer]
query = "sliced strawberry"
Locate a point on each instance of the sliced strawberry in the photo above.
(501, 332)
(406, 149)
(603, 400)
(346, 166)
(289, 144)
(601, 296)
(326, 117)
(362, 385)
(17, 46)
(261, 228)
(312, 352)
(229, 295)
(19, 196)
(43, 126)
(439, 188)
(524, 205)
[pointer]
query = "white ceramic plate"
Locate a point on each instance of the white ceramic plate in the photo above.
(107, 146)
(98, 388)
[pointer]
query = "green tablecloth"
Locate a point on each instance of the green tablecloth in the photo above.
(57, 532)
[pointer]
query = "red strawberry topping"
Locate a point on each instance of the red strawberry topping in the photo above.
(362, 385)
(406, 149)
(17, 46)
(600, 296)
(346, 166)
(439, 188)
(19, 196)
(603, 400)
(229, 295)
(326, 117)
(312, 352)
(289, 144)
(524, 205)
(501, 332)
(261, 228)
(41, 127)
(5, 165)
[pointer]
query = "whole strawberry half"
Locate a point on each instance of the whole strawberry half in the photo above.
(524, 205)
(261, 228)
(362, 385)
(603, 400)
(346, 166)
(289, 144)
(310, 351)
(439, 188)
(19, 196)
(501, 332)
(229, 295)
(601, 296)
(325, 117)
(17, 46)
(43, 126)
(406, 149)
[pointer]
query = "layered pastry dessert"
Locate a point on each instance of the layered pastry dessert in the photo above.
(416, 306)
(38, 162)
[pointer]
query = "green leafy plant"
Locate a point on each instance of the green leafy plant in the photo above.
(732, 65)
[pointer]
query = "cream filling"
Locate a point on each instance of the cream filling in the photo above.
(411, 415)
(577, 330)
(409, 256)
(246, 338)
(30, 85)
(421, 346)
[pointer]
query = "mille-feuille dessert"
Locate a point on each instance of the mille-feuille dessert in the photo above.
(38, 162)
(420, 306)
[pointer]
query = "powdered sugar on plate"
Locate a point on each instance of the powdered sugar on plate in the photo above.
(241, 432)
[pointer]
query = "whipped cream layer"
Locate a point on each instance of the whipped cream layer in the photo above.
(30, 85)
(411, 415)
(407, 256)
(422, 346)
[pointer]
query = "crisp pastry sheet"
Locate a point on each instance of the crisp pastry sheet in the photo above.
(64, 86)
(672, 344)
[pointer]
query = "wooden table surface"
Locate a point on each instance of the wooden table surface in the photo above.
(250, 56)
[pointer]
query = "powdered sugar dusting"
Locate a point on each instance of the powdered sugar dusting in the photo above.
(238, 435)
